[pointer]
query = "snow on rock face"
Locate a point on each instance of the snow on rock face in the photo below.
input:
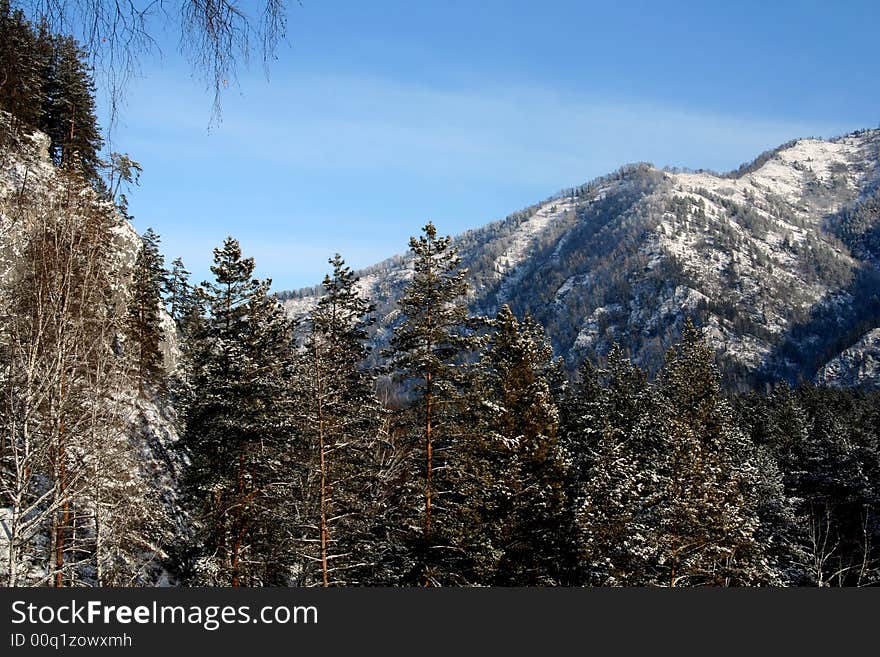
(28, 172)
(857, 366)
(595, 326)
(808, 166)
(628, 258)
(522, 240)
(753, 241)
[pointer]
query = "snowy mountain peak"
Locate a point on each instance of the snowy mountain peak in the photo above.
(758, 257)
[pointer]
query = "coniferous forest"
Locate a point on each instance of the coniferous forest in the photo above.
(160, 431)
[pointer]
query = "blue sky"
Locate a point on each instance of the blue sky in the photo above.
(382, 115)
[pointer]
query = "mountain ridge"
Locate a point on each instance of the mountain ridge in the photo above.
(754, 256)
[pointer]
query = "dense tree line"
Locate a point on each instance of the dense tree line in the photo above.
(47, 84)
(497, 470)
(494, 469)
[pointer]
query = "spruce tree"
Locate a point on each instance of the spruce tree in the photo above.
(516, 493)
(238, 432)
(777, 427)
(707, 523)
(144, 324)
(428, 352)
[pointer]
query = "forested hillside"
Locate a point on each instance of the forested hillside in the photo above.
(778, 262)
(545, 401)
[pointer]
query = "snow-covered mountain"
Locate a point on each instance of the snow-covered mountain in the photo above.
(778, 261)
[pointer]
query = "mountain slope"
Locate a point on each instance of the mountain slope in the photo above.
(763, 258)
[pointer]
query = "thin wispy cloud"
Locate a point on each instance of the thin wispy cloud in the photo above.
(531, 135)
(366, 160)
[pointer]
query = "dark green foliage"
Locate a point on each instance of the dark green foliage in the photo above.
(23, 63)
(46, 83)
(144, 327)
(825, 443)
(70, 119)
(617, 479)
(237, 429)
(514, 492)
(180, 296)
(710, 510)
(668, 487)
(343, 424)
(428, 352)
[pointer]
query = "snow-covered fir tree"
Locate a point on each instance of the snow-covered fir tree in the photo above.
(428, 352)
(238, 429)
(707, 521)
(513, 495)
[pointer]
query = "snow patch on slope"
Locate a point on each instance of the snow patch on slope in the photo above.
(857, 366)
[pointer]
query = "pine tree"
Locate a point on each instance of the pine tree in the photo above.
(121, 170)
(180, 294)
(515, 495)
(428, 351)
(238, 429)
(708, 516)
(71, 120)
(343, 419)
(144, 325)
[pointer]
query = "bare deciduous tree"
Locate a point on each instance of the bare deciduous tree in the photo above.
(216, 35)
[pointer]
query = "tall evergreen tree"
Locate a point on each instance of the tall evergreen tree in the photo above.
(180, 294)
(21, 68)
(342, 421)
(144, 327)
(428, 351)
(618, 444)
(237, 429)
(515, 493)
(71, 120)
(708, 522)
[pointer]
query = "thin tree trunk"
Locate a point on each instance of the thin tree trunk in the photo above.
(238, 525)
(325, 530)
(429, 453)
(99, 533)
(429, 463)
(62, 518)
